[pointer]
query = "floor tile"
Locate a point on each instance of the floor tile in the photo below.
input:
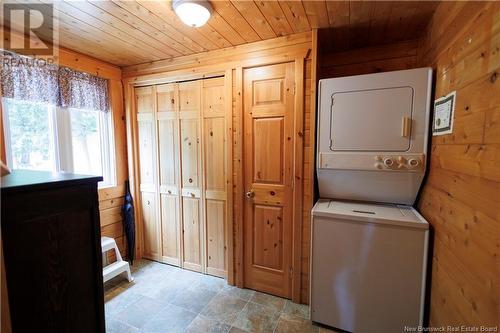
(116, 326)
(170, 319)
(300, 310)
(167, 293)
(208, 282)
(137, 313)
(118, 299)
(206, 325)
(193, 300)
(257, 318)
(293, 324)
(271, 301)
(244, 294)
(237, 330)
(165, 298)
(224, 308)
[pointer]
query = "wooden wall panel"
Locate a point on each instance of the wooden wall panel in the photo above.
(369, 60)
(461, 197)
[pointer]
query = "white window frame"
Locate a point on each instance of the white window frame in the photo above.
(60, 132)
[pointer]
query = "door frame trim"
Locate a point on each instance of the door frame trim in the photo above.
(297, 183)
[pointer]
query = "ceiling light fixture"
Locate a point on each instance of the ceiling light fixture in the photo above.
(194, 13)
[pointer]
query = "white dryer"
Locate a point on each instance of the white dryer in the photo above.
(372, 135)
(368, 245)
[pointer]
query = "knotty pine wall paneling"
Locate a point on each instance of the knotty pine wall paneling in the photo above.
(461, 197)
(384, 58)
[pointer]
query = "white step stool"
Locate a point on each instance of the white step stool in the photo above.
(119, 266)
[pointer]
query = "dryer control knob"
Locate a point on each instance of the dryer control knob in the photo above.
(377, 158)
(413, 162)
(389, 162)
(378, 165)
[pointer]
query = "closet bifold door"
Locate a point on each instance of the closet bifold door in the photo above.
(169, 173)
(145, 104)
(191, 175)
(215, 189)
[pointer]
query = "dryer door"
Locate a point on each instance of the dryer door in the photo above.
(371, 120)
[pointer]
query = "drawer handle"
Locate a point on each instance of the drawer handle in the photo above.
(192, 195)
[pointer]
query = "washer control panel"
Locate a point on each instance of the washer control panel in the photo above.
(398, 162)
(372, 161)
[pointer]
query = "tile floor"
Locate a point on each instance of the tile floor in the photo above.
(165, 299)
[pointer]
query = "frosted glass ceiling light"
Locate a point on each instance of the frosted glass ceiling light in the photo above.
(194, 13)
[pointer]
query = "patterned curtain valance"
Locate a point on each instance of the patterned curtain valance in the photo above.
(35, 80)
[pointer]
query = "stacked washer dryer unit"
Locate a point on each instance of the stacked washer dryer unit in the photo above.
(369, 246)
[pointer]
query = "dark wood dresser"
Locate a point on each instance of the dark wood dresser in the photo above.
(52, 252)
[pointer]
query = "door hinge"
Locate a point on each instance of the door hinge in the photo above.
(291, 272)
(294, 88)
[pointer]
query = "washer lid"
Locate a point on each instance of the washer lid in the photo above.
(405, 216)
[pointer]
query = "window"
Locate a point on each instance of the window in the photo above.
(40, 136)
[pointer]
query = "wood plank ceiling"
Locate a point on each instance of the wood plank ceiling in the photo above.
(131, 32)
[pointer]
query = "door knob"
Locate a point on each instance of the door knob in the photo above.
(250, 194)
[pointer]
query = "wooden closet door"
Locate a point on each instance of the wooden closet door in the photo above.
(145, 104)
(191, 180)
(215, 157)
(169, 170)
(268, 178)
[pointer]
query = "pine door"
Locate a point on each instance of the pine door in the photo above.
(215, 170)
(268, 177)
(169, 172)
(145, 104)
(191, 174)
